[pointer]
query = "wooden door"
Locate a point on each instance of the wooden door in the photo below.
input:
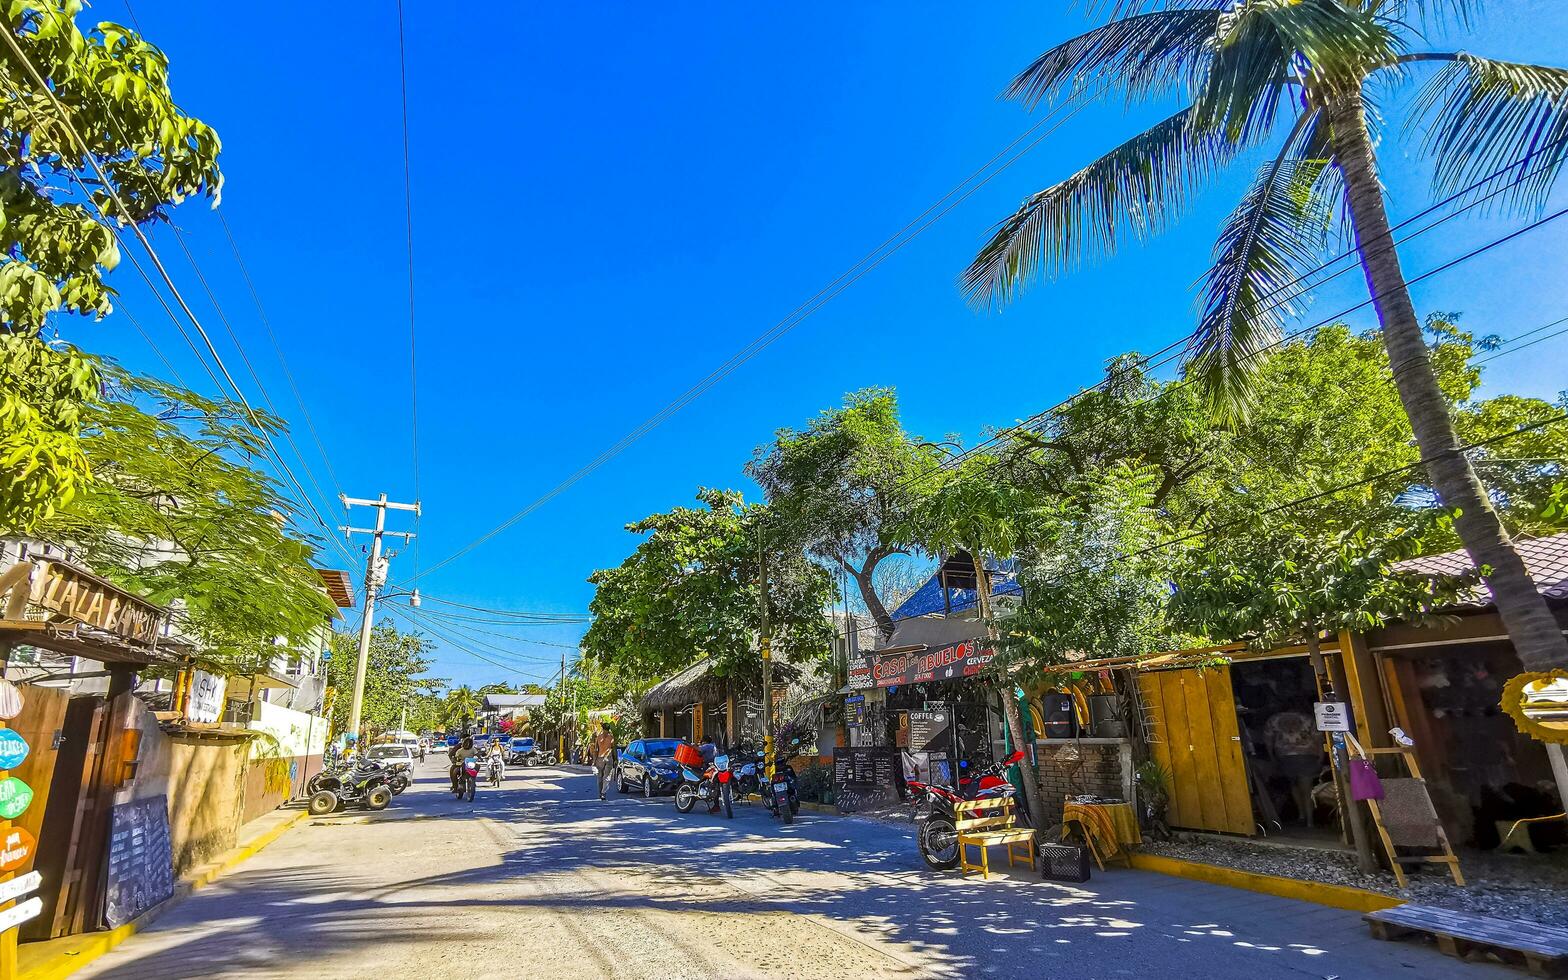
(1195, 736)
(40, 723)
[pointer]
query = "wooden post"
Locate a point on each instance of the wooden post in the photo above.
(1332, 679)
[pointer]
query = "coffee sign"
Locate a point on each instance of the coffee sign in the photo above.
(17, 849)
(13, 749)
(15, 796)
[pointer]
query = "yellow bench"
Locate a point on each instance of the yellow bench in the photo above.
(982, 823)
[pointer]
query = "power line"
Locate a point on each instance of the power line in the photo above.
(518, 613)
(422, 626)
(110, 189)
(408, 216)
(467, 630)
(855, 273)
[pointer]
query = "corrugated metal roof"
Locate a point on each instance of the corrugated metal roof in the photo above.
(1545, 557)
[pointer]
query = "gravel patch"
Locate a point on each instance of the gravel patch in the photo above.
(1504, 886)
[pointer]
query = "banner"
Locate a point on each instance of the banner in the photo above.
(206, 701)
(955, 660)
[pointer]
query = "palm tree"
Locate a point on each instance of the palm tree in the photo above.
(1247, 71)
(462, 703)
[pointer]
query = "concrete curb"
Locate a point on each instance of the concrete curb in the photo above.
(74, 952)
(1319, 893)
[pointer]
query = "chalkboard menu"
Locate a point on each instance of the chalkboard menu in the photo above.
(925, 727)
(141, 860)
(863, 779)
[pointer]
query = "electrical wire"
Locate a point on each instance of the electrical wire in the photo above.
(869, 263)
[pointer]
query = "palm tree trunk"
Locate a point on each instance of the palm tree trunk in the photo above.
(1534, 631)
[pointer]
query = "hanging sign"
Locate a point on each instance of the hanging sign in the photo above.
(17, 887)
(1332, 716)
(15, 796)
(206, 700)
(17, 849)
(925, 727)
(10, 701)
(18, 914)
(13, 749)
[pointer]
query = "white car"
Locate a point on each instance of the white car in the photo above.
(392, 756)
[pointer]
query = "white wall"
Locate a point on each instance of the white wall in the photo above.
(297, 733)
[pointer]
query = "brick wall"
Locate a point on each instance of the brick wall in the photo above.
(1097, 769)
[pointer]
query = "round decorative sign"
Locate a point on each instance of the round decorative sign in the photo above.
(17, 848)
(10, 700)
(13, 749)
(15, 796)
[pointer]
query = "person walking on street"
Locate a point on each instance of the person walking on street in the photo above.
(603, 749)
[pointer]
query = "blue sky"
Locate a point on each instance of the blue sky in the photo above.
(611, 199)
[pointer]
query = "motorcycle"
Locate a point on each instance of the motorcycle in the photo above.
(365, 786)
(937, 819)
(712, 787)
(495, 771)
(467, 779)
(780, 795)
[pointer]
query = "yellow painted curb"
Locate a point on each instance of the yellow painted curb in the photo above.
(75, 952)
(1319, 893)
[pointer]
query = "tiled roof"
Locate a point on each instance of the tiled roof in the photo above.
(1546, 558)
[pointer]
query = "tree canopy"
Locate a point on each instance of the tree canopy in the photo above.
(691, 588)
(112, 88)
(395, 678)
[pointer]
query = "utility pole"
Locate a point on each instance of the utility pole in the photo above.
(375, 577)
(765, 641)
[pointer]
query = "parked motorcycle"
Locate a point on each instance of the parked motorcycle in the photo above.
(936, 819)
(364, 786)
(712, 787)
(467, 779)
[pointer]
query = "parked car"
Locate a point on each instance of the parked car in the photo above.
(649, 765)
(393, 756)
(523, 751)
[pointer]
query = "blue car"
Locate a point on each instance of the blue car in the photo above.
(522, 751)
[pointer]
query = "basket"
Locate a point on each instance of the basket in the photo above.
(688, 755)
(1063, 862)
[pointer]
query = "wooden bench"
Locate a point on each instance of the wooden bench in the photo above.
(982, 823)
(1544, 950)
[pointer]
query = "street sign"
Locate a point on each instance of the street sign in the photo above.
(17, 887)
(18, 914)
(13, 749)
(1332, 716)
(15, 796)
(16, 850)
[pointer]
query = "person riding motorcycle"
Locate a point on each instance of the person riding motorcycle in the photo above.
(495, 756)
(458, 753)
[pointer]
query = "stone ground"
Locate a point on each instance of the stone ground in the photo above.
(539, 879)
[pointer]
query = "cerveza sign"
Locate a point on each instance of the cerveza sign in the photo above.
(956, 660)
(77, 595)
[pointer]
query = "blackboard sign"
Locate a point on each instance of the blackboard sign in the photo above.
(141, 860)
(925, 727)
(863, 779)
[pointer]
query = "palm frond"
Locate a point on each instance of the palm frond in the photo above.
(1137, 188)
(1146, 53)
(1484, 114)
(1280, 226)
(1264, 47)
(1460, 13)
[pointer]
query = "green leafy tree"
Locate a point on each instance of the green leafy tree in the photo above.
(174, 513)
(395, 677)
(461, 705)
(835, 488)
(73, 99)
(1302, 74)
(691, 588)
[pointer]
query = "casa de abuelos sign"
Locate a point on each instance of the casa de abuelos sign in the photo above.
(67, 591)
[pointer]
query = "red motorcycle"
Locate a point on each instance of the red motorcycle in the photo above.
(936, 825)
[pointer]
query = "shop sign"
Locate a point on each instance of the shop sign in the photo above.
(206, 699)
(860, 671)
(15, 796)
(13, 749)
(74, 594)
(18, 914)
(17, 887)
(956, 660)
(17, 849)
(925, 727)
(1332, 716)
